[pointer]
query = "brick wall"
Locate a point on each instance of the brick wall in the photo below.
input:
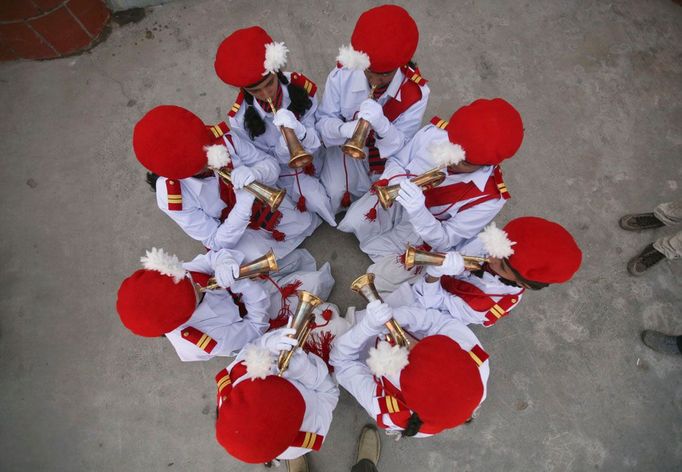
(45, 29)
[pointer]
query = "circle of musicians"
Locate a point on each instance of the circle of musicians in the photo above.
(287, 157)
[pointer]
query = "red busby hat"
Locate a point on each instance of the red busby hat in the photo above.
(544, 250)
(170, 140)
(384, 39)
(538, 249)
(488, 131)
(260, 419)
(247, 55)
(157, 299)
(441, 383)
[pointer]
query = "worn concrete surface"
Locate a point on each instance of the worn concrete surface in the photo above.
(599, 85)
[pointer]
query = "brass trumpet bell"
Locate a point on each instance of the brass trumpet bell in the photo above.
(418, 257)
(298, 156)
(364, 285)
(301, 320)
(263, 265)
(354, 146)
(271, 196)
(427, 180)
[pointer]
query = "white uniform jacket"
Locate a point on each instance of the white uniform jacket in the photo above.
(200, 198)
(477, 300)
(319, 392)
(200, 208)
(216, 328)
(295, 181)
(270, 141)
(351, 351)
(443, 227)
(344, 91)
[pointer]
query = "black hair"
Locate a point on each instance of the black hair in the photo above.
(531, 284)
(151, 179)
(300, 104)
(412, 64)
(413, 425)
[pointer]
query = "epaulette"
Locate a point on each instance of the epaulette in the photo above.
(478, 355)
(236, 105)
(174, 192)
(219, 130)
(414, 75)
(304, 82)
(201, 340)
(438, 123)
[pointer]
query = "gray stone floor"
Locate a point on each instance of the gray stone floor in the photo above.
(599, 85)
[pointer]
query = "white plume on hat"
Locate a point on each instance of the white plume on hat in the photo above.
(275, 57)
(349, 58)
(445, 153)
(167, 264)
(217, 156)
(258, 361)
(386, 359)
(496, 241)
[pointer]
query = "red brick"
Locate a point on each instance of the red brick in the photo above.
(92, 13)
(13, 10)
(25, 42)
(6, 53)
(47, 5)
(62, 31)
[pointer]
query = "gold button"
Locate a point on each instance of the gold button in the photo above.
(185, 334)
(171, 182)
(513, 300)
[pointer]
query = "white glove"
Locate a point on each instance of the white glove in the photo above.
(226, 271)
(244, 201)
(346, 130)
(371, 111)
(297, 365)
(378, 313)
(286, 118)
(411, 197)
(452, 265)
(242, 176)
(279, 340)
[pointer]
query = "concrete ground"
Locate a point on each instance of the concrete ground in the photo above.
(599, 86)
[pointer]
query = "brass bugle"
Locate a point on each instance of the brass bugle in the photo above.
(271, 196)
(263, 265)
(301, 320)
(298, 156)
(418, 257)
(355, 145)
(427, 180)
(364, 285)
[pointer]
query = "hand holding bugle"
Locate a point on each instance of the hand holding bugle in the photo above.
(355, 145)
(417, 257)
(302, 321)
(271, 196)
(298, 156)
(364, 285)
(263, 265)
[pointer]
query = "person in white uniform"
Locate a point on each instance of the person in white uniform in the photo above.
(436, 385)
(164, 299)
(251, 61)
(469, 149)
(382, 45)
(177, 148)
(263, 417)
(528, 253)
